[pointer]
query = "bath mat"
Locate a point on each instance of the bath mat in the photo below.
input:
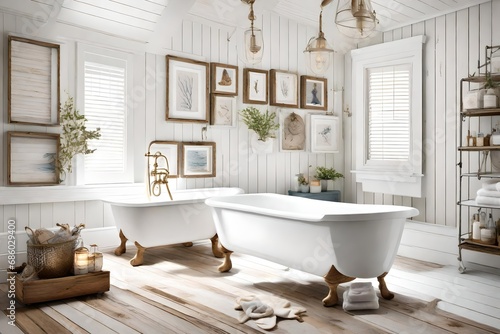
(265, 310)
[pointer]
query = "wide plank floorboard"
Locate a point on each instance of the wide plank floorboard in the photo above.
(179, 290)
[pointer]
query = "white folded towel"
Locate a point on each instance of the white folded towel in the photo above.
(490, 184)
(361, 292)
(497, 186)
(488, 193)
(354, 306)
(485, 200)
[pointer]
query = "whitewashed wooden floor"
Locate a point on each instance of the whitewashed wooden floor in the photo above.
(178, 290)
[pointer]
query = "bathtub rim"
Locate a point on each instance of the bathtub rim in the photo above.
(397, 211)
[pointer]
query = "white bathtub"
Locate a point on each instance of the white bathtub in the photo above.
(158, 221)
(353, 240)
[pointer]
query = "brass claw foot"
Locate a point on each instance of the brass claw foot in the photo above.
(384, 291)
(215, 247)
(227, 264)
(138, 258)
(333, 278)
(123, 241)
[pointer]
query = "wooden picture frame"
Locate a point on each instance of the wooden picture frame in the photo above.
(293, 130)
(32, 158)
(187, 90)
(169, 149)
(325, 134)
(224, 79)
(33, 82)
(284, 89)
(313, 93)
(255, 86)
(198, 159)
(223, 110)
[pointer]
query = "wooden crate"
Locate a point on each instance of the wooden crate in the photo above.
(44, 290)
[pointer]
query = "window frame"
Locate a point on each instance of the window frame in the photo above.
(388, 177)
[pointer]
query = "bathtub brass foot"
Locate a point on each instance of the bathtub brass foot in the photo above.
(123, 241)
(384, 291)
(215, 247)
(138, 258)
(333, 278)
(187, 244)
(227, 264)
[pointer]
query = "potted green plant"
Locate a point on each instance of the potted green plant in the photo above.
(490, 99)
(74, 137)
(264, 127)
(303, 184)
(324, 174)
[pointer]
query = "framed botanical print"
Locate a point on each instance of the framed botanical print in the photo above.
(32, 158)
(187, 90)
(313, 93)
(284, 89)
(255, 89)
(223, 110)
(292, 130)
(33, 82)
(325, 136)
(224, 79)
(198, 159)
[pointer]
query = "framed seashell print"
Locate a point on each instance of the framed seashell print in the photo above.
(224, 79)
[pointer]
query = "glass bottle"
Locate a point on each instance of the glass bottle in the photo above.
(488, 234)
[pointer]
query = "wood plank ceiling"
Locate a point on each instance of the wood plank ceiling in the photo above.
(140, 19)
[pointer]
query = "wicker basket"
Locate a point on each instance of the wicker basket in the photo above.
(52, 260)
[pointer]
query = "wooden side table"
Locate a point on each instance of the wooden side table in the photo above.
(330, 195)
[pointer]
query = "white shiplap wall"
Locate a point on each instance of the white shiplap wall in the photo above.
(196, 39)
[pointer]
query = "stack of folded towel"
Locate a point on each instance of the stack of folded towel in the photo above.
(360, 296)
(489, 194)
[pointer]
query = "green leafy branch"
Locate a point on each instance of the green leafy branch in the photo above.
(262, 123)
(323, 173)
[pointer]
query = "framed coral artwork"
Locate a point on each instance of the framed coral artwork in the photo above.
(224, 79)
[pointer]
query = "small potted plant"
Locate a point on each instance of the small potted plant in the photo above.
(303, 184)
(264, 127)
(324, 174)
(490, 99)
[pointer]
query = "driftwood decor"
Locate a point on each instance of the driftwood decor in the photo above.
(187, 90)
(33, 82)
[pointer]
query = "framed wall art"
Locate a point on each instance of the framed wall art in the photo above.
(255, 89)
(31, 158)
(198, 159)
(223, 110)
(187, 90)
(325, 136)
(224, 79)
(293, 130)
(170, 150)
(284, 89)
(33, 82)
(313, 93)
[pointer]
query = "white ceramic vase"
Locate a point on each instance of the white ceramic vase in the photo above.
(259, 146)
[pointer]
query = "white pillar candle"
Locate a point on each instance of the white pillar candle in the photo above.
(81, 261)
(476, 230)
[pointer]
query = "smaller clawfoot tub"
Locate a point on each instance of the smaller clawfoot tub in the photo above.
(159, 221)
(339, 241)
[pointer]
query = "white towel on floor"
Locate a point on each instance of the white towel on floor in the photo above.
(484, 200)
(361, 292)
(354, 306)
(488, 193)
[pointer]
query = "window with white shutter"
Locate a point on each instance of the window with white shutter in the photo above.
(387, 117)
(105, 77)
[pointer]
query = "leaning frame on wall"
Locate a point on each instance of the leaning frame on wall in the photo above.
(32, 158)
(33, 81)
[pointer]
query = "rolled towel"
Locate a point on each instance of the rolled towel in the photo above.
(350, 306)
(488, 193)
(361, 292)
(485, 200)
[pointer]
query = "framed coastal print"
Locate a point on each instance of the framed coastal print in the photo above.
(284, 89)
(292, 130)
(325, 134)
(255, 86)
(166, 155)
(313, 93)
(187, 90)
(224, 79)
(32, 157)
(223, 110)
(33, 82)
(198, 159)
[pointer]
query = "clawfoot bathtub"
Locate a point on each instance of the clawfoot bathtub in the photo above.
(339, 241)
(158, 221)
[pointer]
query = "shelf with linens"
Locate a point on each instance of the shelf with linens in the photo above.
(475, 145)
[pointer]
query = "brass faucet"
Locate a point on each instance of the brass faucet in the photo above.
(159, 175)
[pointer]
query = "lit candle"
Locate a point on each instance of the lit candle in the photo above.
(81, 261)
(315, 186)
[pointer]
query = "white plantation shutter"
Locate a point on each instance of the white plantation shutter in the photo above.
(389, 103)
(105, 79)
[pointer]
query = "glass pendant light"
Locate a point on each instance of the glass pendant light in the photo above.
(355, 18)
(318, 52)
(254, 42)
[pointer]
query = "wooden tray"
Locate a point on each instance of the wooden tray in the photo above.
(44, 290)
